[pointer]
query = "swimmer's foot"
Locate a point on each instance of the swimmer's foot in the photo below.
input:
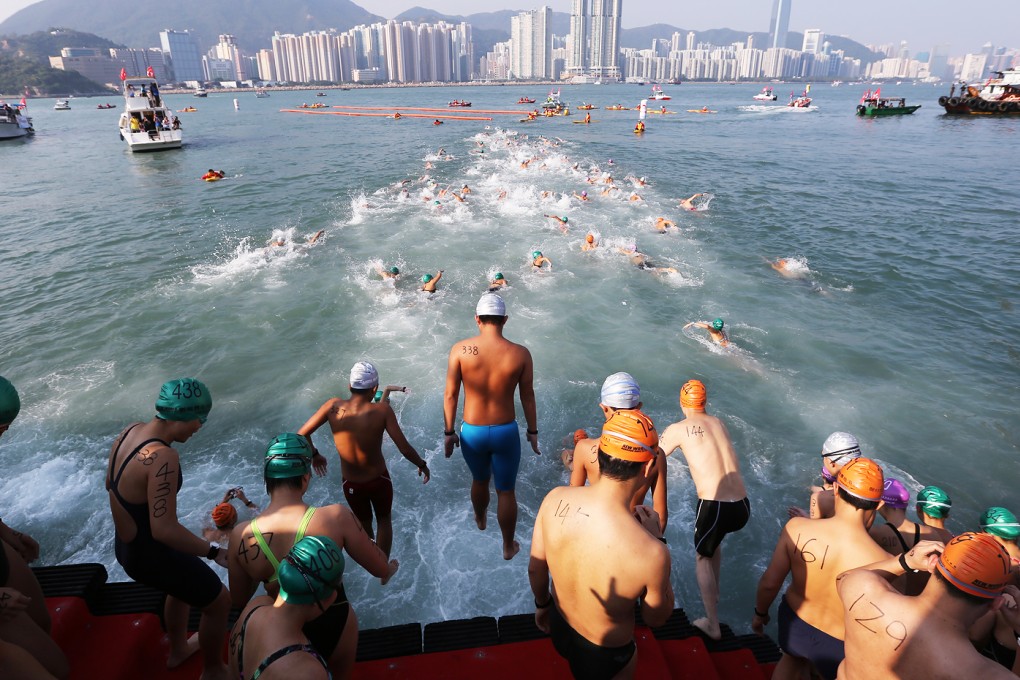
(708, 628)
(394, 565)
(177, 658)
(508, 554)
(481, 522)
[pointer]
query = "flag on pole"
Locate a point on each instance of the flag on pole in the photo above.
(123, 74)
(878, 92)
(23, 104)
(149, 72)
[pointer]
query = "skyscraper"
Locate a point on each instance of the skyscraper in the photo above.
(185, 61)
(780, 23)
(813, 38)
(577, 63)
(604, 56)
(531, 44)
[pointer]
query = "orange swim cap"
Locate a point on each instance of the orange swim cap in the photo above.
(224, 516)
(862, 478)
(693, 394)
(629, 435)
(589, 238)
(579, 435)
(976, 564)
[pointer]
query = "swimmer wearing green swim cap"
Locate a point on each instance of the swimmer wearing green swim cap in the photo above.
(429, 281)
(10, 404)
(715, 330)
(391, 273)
(498, 281)
(538, 259)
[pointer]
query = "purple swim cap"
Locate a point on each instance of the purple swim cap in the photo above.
(828, 476)
(895, 495)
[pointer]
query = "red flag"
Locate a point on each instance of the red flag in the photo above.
(123, 74)
(878, 92)
(23, 104)
(149, 72)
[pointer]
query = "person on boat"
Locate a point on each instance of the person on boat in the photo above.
(663, 109)
(688, 203)
(590, 243)
(662, 224)
(814, 553)
(26, 648)
(587, 118)
(429, 282)
(538, 259)
(892, 635)
(585, 541)
(715, 330)
(270, 631)
(491, 368)
(498, 281)
(263, 543)
(640, 127)
(224, 517)
(722, 506)
(620, 392)
(143, 478)
(391, 273)
(358, 425)
(135, 124)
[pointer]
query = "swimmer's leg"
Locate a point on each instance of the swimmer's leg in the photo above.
(506, 515)
(480, 501)
(707, 570)
(175, 618)
(341, 661)
(22, 633)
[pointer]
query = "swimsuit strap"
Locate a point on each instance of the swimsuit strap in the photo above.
(899, 537)
(264, 547)
(115, 481)
(304, 524)
(284, 651)
(240, 647)
(109, 472)
(917, 534)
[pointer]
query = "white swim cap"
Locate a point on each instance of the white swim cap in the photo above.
(490, 304)
(364, 376)
(841, 445)
(620, 390)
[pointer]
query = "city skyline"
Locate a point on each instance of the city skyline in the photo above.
(921, 23)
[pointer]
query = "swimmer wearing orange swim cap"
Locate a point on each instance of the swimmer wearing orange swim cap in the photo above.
(224, 516)
(976, 564)
(629, 435)
(579, 435)
(693, 395)
(862, 478)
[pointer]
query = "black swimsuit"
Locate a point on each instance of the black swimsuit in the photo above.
(156, 564)
(275, 656)
(899, 536)
(588, 661)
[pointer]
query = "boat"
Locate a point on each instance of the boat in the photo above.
(525, 100)
(766, 95)
(703, 109)
(144, 106)
(873, 105)
(587, 107)
(187, 109)
(105, 106)
(62, 105)
(617, 107)
(14, 123)
(200, 92)
(260, 92)
(320, 94)
(658, 94)
(458, 102)
(801, 102)
(999, 96)
(553, 101)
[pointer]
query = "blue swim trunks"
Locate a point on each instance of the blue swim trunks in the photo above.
(492, 451)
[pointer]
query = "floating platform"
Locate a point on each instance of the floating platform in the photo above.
(113, 631)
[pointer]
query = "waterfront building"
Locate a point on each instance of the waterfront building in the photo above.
(184, 61)
(780, 24)
(138, 61)
(531, 44)
(813, 39)
(95, 64)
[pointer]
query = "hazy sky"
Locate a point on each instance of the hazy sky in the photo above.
(964, 26)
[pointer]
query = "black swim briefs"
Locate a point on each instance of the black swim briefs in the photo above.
(588, 661)
(716, 519)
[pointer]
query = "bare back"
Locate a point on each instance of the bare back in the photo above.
(491, 369)
(358, 426)
(710, 456)
(597, 581)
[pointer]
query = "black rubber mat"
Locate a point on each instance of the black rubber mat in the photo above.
(384, 643)
(447, 636)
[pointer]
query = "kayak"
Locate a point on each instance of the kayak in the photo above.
(695, 111)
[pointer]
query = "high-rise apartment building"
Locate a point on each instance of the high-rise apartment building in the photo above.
(604, 59)
(780, 24)
(813, 39)
(577, 60)
(185, 61)
(226, 49)
(531, 44)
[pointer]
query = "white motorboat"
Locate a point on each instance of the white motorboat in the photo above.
(766, 95)
(14, 123)
(62, 105)
(658, 94)
(261, 93)
(146, 123)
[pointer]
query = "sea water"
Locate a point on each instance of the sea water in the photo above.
(122, 270)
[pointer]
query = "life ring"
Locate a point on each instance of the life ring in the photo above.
(952, 102)
(942, 100)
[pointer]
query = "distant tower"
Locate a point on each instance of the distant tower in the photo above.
(691, 37)
(185, 61)
(813, 39)
(780, 23)
(604, 55)
(577, 62)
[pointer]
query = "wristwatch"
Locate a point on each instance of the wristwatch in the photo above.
(214, 551)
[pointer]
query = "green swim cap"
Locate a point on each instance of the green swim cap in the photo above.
(10, 404)
(312, 570)
(288, 455)
(537, 253)
(426, 278)
(498, 276)
(934, 502)
(394, 270)
(1000, 522)
(717, 324)
(184, 399)
(567, 219)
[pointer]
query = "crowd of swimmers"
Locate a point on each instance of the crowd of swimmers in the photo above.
(901, 599)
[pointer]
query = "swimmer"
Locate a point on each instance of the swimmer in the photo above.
(224, 517)
(788, 268)
(722, 506)
(589, 243)
(429, 281)
(538, 259)
(315, 237)
(563, 222)
(589, 557)
(567, 455)
(662, 224)
(583, 196)
(502, 195)
(391, 273)
(634, 197)
(715, 331)
(811, 628)
(641, 261)
(498, 281)
(688, 203)
(213, 174)
(465, 190)
(490, 369)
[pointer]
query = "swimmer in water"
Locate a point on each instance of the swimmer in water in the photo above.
(502, 195)
(641, 261)
(583, 196)
(662, 224)
(465, 190)
(567, 455)
(391, 273)
(634, 197)
(428, 281)
(498, 281)
(715, 330)
(688, 203)
(589, 243)
(782, 266)
(563, 222)
(282, 241)
(538, 259)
